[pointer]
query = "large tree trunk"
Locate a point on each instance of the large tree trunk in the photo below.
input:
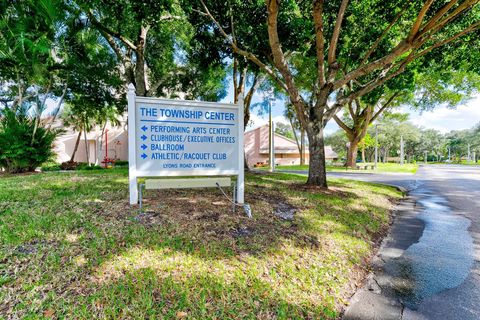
(352, 153)
(317, 174)
(370, 155)
(140, 72)
(76, 145)
(140, 85)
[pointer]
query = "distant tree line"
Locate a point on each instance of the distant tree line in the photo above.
(454, 146)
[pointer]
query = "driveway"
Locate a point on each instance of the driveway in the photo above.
(429, 265)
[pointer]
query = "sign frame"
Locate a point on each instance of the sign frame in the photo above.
(134, 173)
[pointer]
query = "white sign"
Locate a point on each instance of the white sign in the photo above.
(183, 138)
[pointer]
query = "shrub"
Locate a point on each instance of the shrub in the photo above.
(22, 146)
(51, 167)
(121, 163)
(81, 166)
(85, 166)
(69, 165)
(95, 167)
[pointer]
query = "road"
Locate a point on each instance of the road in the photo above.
(429, 265)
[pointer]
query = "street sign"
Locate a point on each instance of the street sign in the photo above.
(170, 138)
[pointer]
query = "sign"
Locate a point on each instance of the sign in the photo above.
(183, 138)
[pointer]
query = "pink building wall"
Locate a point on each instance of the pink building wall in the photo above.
(117, 145)
(286, 150)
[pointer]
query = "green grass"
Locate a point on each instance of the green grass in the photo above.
(72, 247)
(382, 167)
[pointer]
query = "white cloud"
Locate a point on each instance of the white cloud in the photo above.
(444, 119)
(281, 119)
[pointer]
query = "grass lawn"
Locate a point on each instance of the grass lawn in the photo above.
(382, 167)
(71, 247)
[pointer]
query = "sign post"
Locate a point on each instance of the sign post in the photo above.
(241, 153)
(177, 138)
(132, 155)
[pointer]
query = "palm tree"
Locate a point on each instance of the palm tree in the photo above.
(104, 116)
(80, 121)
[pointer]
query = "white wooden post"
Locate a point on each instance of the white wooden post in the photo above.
(241, 156)
(132, 150)
(402, 156)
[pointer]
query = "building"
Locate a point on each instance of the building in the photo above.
(112, 142)
(285, 149)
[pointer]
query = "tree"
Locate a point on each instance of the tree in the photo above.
(432, 143)
(367, 143)
(29, 70)
(150, 40)
(338, 141)
(391, 49)
(24, 145)
(29, 63)
(48, 54)
(460, 141)
(421, 90)
(296, 126)
(107, 115)
(284, 130)
(356, 121)
(70, 119)
(390, 132)
(95, 92)
(449, 88)
(245, 22)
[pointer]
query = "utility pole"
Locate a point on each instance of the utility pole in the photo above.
(376, 146)
(468, 156)
(271, 136)
(402, 156)
(448, 153)
(426, 157)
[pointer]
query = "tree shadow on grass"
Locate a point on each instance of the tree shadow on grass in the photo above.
(191, 241)
(204, 294)
(186, 233)
(204, 218)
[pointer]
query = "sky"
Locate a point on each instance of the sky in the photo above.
(444, 119)
(441, 118)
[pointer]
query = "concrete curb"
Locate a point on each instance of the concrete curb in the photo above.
(376, 299)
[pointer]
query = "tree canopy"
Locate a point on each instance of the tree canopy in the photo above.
(383, 40)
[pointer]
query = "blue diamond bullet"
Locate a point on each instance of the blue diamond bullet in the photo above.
(144, 137)
(144, 128)
(144, 146)
(144, 156)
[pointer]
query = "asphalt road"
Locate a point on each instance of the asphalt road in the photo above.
(429, 265)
